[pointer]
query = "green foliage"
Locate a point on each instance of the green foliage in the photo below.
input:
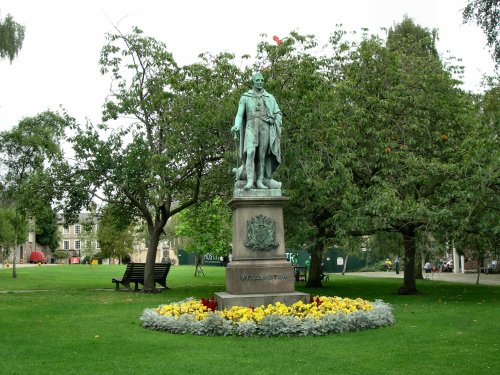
(206, 228)
(412, 39)
(60, 254)
(315, 177)
(412, 122)
(13, 230)
(47, 228)
(28, 151)
(475, 224)
(11, 38)
(374, 136)
(170, 146)
(384, 245)
(486, 13)
(115, 235)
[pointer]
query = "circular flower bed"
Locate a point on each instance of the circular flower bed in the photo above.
(323, 315)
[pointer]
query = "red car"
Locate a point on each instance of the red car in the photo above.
(37, 257)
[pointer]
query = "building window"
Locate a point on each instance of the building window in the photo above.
(30, 237)
(66, 245)
(66, 229)
(88, 244)
(77, 229)
(97, 246)
(77, 244)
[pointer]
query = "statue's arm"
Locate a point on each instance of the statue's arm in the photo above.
(278, 116)
(239, 115)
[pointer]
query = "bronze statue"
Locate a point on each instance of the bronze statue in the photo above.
(259, 122)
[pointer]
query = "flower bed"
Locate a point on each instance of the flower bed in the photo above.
(324, 315)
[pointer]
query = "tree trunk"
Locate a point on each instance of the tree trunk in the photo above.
(345, 264)
(314, 277)
(14, 268)
(479, 263)
(409, 286)
(149, 271)
(418, 268)
(199, 262)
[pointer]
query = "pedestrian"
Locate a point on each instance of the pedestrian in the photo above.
(427, 267)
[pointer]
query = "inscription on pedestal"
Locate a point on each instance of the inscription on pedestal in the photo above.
(280, 276)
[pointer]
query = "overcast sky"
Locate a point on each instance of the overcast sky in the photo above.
(58, 64)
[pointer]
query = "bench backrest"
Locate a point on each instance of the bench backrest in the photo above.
(137, 271)
(161, 270)
(128, 271)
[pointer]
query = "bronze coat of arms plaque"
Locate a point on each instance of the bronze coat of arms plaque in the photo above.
(261, 233)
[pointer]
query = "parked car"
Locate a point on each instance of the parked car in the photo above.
(37, 257)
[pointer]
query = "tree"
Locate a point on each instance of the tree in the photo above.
(349, 246)
(314, 176)
(475, 226)
(115, 235)
(11, 38)
(412, 121)
(206, 228)
(27, 152)
(13, 230)
(486, 14)
(47, 228)
(169, 146)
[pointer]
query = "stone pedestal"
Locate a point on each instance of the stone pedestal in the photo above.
(259, 272)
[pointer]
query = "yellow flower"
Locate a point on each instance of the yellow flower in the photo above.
(320, 307)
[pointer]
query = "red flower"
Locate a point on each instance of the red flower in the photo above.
(316, 300)
(209, 303)
(277, 40)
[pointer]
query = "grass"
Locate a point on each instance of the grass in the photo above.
(76, 324)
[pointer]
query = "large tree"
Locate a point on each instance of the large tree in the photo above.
(162, 146)
(115, 233)
(206, 228)
(47, 227)
(27, 152)
(475, 226)
(412, 120)
(302, 77)
(13, 230)
(11, 38)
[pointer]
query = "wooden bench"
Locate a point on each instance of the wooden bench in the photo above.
(134, 273)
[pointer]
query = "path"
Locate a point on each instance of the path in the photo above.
(467, 278)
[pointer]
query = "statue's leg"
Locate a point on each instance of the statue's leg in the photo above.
(250, 167)
(260, 176)
(263, 150)
(268, 169)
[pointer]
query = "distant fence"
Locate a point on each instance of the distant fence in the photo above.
(332, 261)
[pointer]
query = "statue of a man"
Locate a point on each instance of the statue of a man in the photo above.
(259, 122)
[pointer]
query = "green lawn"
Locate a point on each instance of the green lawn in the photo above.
(76, 324)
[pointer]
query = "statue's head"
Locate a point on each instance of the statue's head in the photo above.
(258, 81)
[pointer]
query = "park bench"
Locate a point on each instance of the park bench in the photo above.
(134, 273)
